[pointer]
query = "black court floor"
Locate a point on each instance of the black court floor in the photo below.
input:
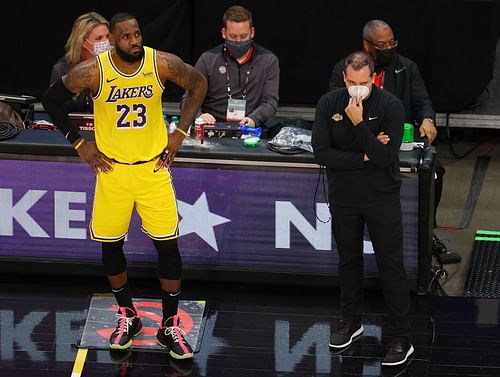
(249, 331)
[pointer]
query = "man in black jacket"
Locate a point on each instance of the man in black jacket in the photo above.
(364, 188)
(243, 76)
(401, 77)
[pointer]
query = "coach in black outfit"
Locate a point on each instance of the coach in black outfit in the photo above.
(364, 188)
(401, 77)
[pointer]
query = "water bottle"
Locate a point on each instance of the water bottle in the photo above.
(173, 124)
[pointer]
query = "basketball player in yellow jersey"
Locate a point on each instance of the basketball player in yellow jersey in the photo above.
(131, 158)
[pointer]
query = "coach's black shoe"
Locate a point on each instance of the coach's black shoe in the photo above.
(399, 351)
(345, 334)
(171, 336)
(349, 350)
(396, 371)
(129, 325)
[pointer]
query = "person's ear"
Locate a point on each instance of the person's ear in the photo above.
(223, 33)
(87, 45)
(366, 46)
(252, 32)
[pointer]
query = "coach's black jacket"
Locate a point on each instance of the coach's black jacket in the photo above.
(340, 147)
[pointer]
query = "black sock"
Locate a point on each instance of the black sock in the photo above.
(170, 302)
(124, 298)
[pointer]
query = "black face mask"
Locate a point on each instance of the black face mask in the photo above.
(384, 57)
(238, 49)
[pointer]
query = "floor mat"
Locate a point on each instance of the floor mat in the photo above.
(101, 322)
(483, 276)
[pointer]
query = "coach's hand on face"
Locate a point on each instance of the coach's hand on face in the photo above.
(89, 153)
(354, 110)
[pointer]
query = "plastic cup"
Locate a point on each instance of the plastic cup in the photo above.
(407, 144)
(408, 133)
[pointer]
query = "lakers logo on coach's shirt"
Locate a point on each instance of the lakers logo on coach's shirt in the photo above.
(128, 116)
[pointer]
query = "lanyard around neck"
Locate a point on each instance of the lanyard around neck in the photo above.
(249, 69)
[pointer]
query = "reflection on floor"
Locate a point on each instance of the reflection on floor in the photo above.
(470, 195)
(250, 331)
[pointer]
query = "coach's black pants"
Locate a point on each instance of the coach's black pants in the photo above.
(386, 232)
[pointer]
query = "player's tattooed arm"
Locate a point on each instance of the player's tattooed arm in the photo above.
(172, 68)
(83, 76)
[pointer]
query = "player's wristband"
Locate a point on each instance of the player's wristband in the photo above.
(182, 132)
(79, 143)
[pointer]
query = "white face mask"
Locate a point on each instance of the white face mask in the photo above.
(100, 47)
(358, 91)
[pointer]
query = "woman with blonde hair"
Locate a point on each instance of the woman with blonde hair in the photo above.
(89, 37)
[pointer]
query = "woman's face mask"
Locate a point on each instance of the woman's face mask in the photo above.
(100, 47)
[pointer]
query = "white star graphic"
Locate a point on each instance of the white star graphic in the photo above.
(197, 218)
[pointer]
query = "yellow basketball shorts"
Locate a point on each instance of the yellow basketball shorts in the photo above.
(117, 192)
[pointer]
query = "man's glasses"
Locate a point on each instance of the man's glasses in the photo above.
(383, 45)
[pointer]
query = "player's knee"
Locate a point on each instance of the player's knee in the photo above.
(169, 259)
(113, 258)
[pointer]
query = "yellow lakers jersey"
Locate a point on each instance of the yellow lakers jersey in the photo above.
(128, 116)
